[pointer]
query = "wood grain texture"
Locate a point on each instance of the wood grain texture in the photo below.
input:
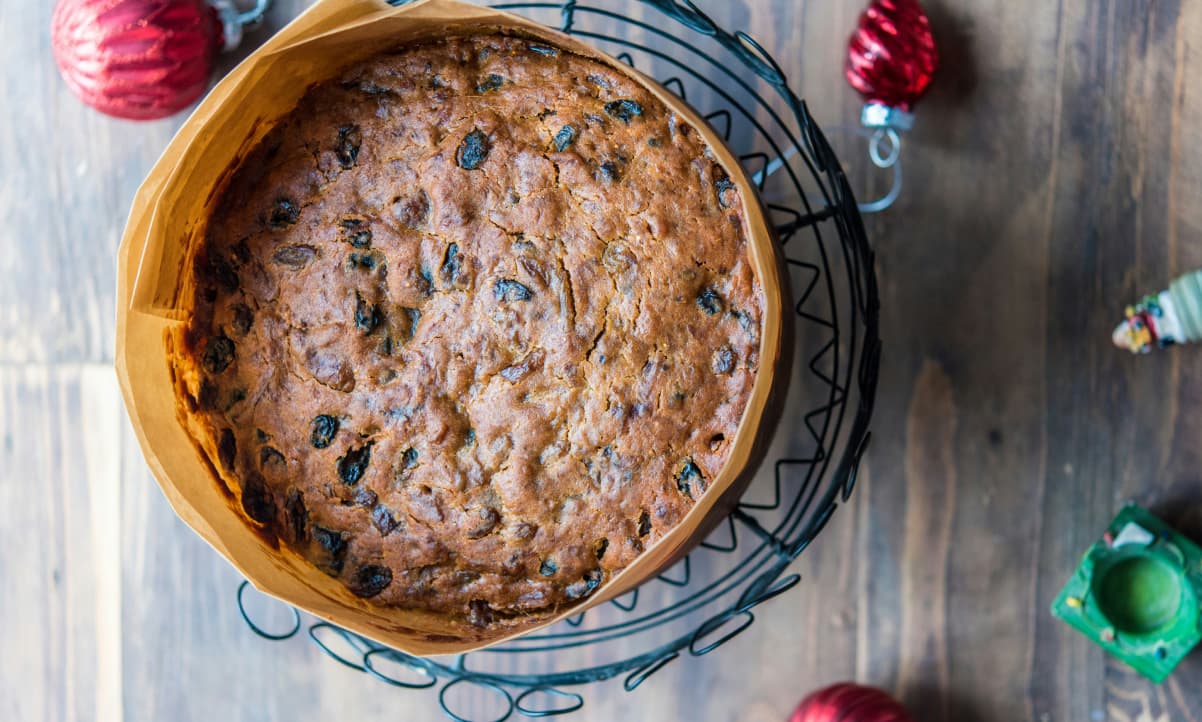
(1053, 176)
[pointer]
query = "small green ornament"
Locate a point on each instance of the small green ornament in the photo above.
(1136, 594)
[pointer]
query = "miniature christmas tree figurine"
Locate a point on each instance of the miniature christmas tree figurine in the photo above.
(1170, 317)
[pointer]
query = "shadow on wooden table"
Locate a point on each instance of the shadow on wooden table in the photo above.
(956, 79)
(933, 704)
(1181, 508)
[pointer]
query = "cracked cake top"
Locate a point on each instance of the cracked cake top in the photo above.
(474, 325)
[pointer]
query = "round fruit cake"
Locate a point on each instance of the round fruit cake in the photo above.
(473, 326)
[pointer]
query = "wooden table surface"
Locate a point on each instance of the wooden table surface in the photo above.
(1055, 173)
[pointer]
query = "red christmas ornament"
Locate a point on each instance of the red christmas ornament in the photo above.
(136, 59)
(847, 702)
(144, 59)
(891, 58)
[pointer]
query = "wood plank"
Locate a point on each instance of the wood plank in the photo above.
(62, 600)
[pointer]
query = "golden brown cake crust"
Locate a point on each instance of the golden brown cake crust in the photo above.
(474, 326)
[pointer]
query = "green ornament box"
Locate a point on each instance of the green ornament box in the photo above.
(1137, 593)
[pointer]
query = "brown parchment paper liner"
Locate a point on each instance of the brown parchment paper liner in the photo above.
(168, 217)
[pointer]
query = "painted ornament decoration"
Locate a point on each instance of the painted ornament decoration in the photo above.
(143, 59)
(891, 59)
(1167, 318)
(847, 702)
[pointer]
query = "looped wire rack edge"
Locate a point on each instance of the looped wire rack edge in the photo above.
(708, 598)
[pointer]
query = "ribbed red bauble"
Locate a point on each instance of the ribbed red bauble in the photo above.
(847, 702)
(891, 57)
(136, 59)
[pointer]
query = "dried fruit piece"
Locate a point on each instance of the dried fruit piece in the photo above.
(243, 319)
(296, 515)
(363, 261)
(492, 82)
(450, 264)
(370, 580)
(334, 545)
(479, 614)
(464, 577)
(369, 87)
(223, 273)
(721, 186)
(352, 466)
(602, 546)
(271, 460)
(241, 251)
(473, 150)
(383, 519)
(367, 316)
(218, 355)
(690, 479)
(257, 501)
(409, 458)
(283, 213)
(623, 109)
(347, 150)
(745, 321)
(710, 301)
(227, 449)
(295, 256)
(724, 360)
(644, 527)
(610, 172)
(591, 580)
(323, 431)
(207, 396)
(410, 318)
(357, 233)
(384, 348)
(565, 138)
(548, 568)
(509, 290)
(366, 498)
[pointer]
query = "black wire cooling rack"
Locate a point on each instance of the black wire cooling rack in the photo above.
(708, 598)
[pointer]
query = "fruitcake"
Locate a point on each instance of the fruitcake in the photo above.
(472, 326)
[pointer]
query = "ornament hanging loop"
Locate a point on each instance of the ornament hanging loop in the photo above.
(884, 150)
(235, 22)
(894, 147)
